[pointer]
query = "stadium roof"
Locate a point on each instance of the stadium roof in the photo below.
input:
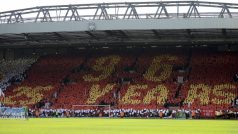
(134, 23)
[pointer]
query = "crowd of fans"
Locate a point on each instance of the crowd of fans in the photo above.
(13, 71)
(100, 112)
(130, 113)
(152, 82)
(43, 80)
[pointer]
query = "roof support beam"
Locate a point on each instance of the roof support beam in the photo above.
(120, 11)
(131, 10)
(17, 18)
(103, 14)
(74, 15)
(46, 15)
(159, 11)
(193, 11)
(225, 8)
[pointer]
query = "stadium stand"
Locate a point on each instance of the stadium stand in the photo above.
(43, 79)
(210, 84)
(136, 81)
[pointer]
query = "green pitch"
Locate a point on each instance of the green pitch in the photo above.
(117, 126)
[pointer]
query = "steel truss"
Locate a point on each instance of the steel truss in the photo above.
(132, 10)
